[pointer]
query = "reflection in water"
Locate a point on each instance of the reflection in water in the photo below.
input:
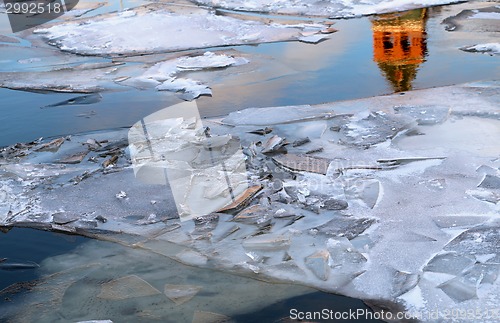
(399, 46)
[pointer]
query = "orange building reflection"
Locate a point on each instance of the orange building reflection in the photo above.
(399, 46)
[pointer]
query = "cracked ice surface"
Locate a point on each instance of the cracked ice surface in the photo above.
(329, 8)
(185, 28)
(394, 217)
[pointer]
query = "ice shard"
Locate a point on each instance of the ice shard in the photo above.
(318, 264)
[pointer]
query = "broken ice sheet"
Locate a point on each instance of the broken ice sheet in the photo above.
(344, 254)
(459, 220)
(273, 144)
(375, 128)
(180, 294)
(485, 195)
(459, 290)
(425, 115)
(75, 158)
(64, 218)
(187, 28)
(278, 115)
(482, 274)
(490, 182)
(252, 214)
(449, 263)
(480, 239)
(52, 145)
(342, 226)
(397, 221)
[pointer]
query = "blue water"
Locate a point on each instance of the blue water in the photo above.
(28, 245)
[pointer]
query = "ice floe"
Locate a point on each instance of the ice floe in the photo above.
(378, 214)
(490, 48)
(329, 8)
(166, 75)
(183, 28)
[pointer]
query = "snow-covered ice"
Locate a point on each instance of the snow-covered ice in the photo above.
(164, 75)
(163, 28)
(329, 8)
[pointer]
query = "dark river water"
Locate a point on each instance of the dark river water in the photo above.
(358, 61)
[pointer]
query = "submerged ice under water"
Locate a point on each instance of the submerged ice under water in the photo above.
(101, 280)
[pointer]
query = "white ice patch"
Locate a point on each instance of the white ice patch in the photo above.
(208, 60)
(384, 6)
(331, 8)
(164, 75)
(486, 15)
(160, 28)
(493, 48)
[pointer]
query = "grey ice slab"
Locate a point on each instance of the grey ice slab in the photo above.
(384, 243)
